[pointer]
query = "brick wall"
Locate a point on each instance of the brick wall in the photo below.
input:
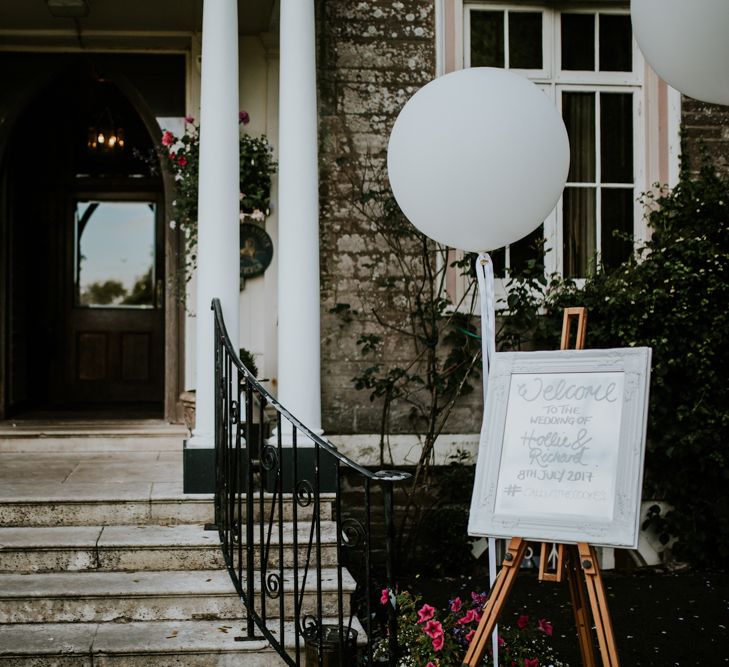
(707, 124)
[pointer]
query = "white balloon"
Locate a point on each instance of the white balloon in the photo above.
(687, 44)
(478, 158)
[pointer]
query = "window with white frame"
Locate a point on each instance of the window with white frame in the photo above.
(586, 61)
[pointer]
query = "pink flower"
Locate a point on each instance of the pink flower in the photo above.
(385, 597)
(243, 117)
(182, 160)
(431, 664)
(501, 641)
(438, 643)
(471, 616)
(469, 636)
(545, 626)
(168, 138)
(172, 155)
(426, 613)
(531, 662)
(189, 120)
(522, 621)
(456, 604)
(433, 629)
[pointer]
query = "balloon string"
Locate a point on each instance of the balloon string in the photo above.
(485, 275)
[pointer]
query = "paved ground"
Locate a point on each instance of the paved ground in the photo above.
(64, 460)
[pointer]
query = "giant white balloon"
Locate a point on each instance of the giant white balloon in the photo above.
(478, 158)
(687, 44)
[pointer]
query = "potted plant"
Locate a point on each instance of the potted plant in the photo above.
(187, 398)
(180, 156)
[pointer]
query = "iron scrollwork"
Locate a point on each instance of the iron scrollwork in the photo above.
(353, 533)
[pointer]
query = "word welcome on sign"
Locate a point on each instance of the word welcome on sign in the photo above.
(562, 447)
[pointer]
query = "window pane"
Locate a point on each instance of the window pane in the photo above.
(578, 41)
(578, 231)
(498, 258)
(487, 39)
(616, 137)
(617, 218)
(616, 46)
(529, 248)
(115, 253)
(525, 40)
(578, 111)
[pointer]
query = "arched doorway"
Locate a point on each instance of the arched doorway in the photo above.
(85, 267)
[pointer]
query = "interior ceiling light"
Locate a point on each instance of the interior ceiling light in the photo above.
(68, 8)
(106, 135)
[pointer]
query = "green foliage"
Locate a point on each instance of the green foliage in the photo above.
(442, 544)
(437, 349)
(248, 361)
(103, 293)
(673, 296)
(436, 356)
(180, 156)
(431, 637)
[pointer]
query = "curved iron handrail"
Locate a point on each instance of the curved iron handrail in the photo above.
(382, 475)
(255, 478)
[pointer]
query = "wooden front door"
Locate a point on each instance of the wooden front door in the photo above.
(113, 295)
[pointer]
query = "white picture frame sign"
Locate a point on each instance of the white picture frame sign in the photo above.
(562, 447)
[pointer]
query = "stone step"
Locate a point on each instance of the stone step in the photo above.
(85, 597)
(90, 436)
(133, 548)
(98, 509)
(158, 643)
(50, 511)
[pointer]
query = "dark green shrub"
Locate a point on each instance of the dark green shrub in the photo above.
(674, 298)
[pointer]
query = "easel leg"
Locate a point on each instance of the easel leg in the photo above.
(579, 608)
(598, 602)
(502, 587)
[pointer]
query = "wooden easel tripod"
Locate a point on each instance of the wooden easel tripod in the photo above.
(578, 561)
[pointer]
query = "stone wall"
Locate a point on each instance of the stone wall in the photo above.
(373, 55)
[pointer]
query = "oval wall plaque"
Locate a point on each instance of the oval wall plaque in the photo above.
(256, 250)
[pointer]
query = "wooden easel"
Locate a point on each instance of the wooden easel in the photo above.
(578, 561)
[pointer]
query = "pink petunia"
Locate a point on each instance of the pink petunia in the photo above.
(545, 626)
(531, 662)
(189, 120)
(243, 117)
(431, 664)
(426, 613)
(168, 138)
(433, 629)
(385, 597)
(181, 160)
(456, 605)
(438, 643)
(469, 636)
(522, 621)
(470, 617)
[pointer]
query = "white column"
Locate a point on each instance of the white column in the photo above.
(299, 383)
(218, 201)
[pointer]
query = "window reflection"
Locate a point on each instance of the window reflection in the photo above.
(115, 254)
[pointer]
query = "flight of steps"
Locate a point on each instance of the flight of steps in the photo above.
(130, 581)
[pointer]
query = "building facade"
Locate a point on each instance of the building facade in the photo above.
(89, 243)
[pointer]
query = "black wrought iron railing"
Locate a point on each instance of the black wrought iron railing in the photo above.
(279, 512)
